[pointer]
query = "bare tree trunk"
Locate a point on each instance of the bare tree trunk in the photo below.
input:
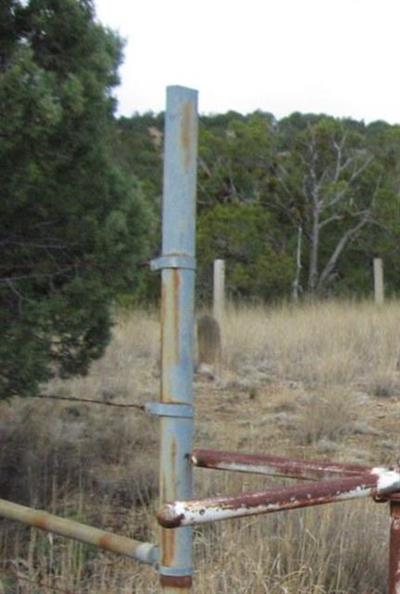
(314, 249)
(296, 282)
(346, 238)
(326, 174)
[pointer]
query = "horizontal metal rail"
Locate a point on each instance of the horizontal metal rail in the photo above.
(378, 482)
(141, 551)
(274, 465)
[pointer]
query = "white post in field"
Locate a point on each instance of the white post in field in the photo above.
(378, 281)
(219, 290)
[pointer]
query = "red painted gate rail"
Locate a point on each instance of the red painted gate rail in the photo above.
(339, 482)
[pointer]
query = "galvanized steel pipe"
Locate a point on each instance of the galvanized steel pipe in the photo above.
(177, 325)
(142, 551)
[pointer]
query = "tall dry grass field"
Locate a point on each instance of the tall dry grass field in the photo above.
(318, 380)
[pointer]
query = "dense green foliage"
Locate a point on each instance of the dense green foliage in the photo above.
(305, 202)
(72, 222)
(245, 236)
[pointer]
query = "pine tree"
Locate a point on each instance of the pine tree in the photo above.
(72, 224)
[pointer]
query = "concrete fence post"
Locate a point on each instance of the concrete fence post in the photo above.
(378, 281)
(219, 290)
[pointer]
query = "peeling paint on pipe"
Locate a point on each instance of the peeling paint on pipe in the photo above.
(274, 465)
(375, 483)
(141, 551)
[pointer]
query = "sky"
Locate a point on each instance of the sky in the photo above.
(339, 57)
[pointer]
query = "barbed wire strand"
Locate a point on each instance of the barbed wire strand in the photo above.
(140, 407)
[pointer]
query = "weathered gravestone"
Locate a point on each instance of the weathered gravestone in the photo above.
(209, 348)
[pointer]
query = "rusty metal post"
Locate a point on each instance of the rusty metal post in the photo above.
(394, 552)
(177, 325)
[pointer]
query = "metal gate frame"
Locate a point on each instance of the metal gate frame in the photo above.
(172, 557)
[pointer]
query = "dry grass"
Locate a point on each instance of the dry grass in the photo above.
(311, 381)
(321, 345)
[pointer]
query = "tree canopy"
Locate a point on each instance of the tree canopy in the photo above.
(303, 202)
(73, 223)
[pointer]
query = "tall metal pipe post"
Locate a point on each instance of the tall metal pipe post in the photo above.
(177, 325)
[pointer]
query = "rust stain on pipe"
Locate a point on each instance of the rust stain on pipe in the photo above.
(176, 282)
(187, 134)
(105, 542)
(170, 323)
(168, 520)
(169, 581)
(168, 547)
(173, 461)
(40, 522)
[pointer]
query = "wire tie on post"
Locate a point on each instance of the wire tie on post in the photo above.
(173, 261)
(175, 571)
(164, 409)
